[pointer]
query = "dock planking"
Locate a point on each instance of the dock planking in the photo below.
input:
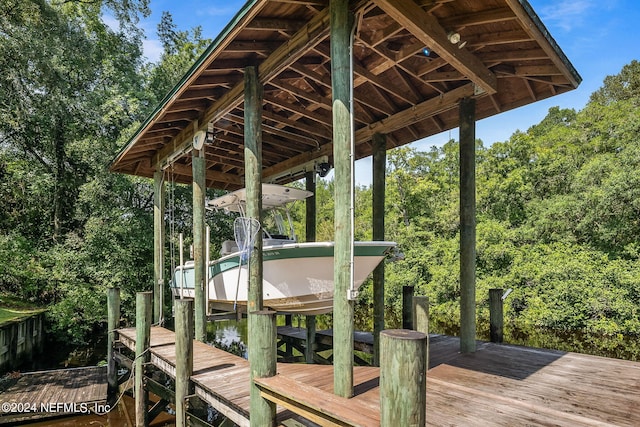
(498, 385)
(46, 394)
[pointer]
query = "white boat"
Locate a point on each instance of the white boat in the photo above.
(297, 277)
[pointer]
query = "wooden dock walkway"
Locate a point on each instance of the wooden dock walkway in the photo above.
(47, 394)
(499, 385)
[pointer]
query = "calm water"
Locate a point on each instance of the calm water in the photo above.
(122, 415)
(231, 334)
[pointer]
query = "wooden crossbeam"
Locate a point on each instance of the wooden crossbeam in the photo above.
(428, 30)
(283, 56)
(314, 404)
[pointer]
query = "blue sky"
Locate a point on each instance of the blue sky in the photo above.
(599, 38)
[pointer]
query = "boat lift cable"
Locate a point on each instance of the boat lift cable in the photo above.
(352, 292)
(245, 231)
(172, 224)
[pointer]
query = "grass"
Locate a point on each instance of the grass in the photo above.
(12, 308)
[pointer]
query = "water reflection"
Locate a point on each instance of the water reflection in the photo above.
(123, 415)
(229, 335)
(616, 346)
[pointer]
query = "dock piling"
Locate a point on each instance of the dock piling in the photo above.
(113, 322)
(467, 150)
(421, 319)
(496, 317)
(184, 363)
(407, 306)
(379, 143)
(403, 370)
(143, 337)
(262, 355)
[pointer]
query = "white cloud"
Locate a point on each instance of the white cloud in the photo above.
(566, 14)
(229, 10)
(152, 49)
(111, 22)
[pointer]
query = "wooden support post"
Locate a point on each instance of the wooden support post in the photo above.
(199, 259)
(379, 178)
(421, 319)
(496, 318)
(341, 79)
(143, 335)
(310, 207)
(467, 226)
(262, 329)
(407, 307)
(403, 370)
(113, 322)
(253, 181)
(311, 339)
(263, 411)
(158, 246)
(184, 363)
(310, 229)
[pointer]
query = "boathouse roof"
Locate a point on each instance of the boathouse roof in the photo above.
(413, 61)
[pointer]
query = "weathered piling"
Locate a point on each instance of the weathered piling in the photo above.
(421, 319)
(496, 316)
(143, 336)
(407, 307)
(467, 225)
(311, 338)
(184, 363)
(199, 168)
(343, 304)
(403, 370)
(310, 229)
(263, 364)
(113, 322)
(379, 143)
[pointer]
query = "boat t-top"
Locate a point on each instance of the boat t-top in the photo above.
(297, 277)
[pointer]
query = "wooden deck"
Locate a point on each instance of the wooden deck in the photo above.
(499, 385)
(45, 394)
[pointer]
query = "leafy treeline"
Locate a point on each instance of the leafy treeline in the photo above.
(558, 218)
(558, 206)
(72, 90)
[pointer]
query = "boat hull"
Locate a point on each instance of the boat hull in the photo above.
(297, 278)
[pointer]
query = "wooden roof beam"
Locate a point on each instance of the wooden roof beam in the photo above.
(273, 24)
(318, 131)
(491, 16)
(426, 28)
(288, 53)
(302, 139)
(185, 170)
(416, 113)
(536, 29)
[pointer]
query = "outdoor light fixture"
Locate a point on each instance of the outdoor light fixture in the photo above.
(323, 169)
(453, 37)
(426, 51)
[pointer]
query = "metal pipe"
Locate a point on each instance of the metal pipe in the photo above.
(181, 244)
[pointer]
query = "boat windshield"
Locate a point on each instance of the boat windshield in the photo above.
(275, 226)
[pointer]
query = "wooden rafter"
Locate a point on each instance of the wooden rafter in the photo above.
(427, 29)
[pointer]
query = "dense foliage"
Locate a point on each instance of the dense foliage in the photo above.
(558, 205)
(558, 218)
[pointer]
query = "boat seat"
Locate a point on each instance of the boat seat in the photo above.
(228, 247)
